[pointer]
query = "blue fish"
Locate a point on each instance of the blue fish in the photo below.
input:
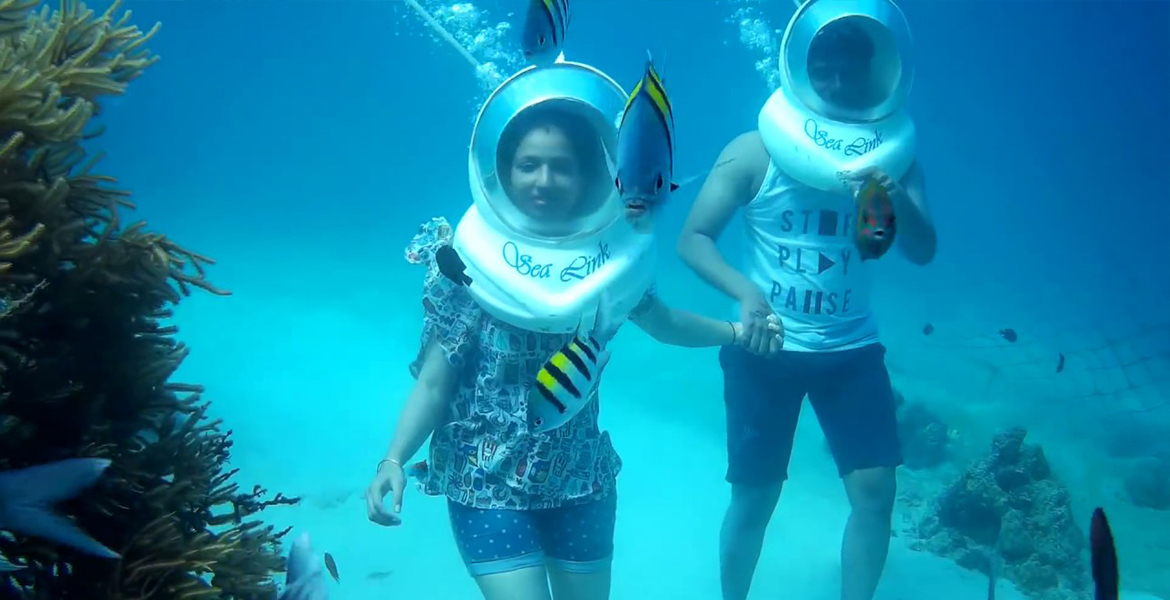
(543, 38)
(305, 579)
(26, 497)
(645, 149)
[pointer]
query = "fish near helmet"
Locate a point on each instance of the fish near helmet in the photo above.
(645, 152)
(451, 266)
(543, 35)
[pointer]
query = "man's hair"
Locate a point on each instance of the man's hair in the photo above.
(841, 42)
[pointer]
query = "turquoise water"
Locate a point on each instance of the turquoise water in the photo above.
(301, 144)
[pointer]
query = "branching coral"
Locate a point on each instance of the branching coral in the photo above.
(85, 357)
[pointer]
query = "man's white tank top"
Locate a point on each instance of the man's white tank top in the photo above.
(800, 253)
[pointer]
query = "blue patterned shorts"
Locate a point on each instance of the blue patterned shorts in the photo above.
(576, 538)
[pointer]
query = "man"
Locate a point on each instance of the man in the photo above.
(800, 263)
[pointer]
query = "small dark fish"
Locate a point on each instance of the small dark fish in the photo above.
(1009, 335)
(1104, 557)
(377, 575)
(1060, 363)
(875, 227)
(332, 566)
(451, 266)
(418, 470)
(929, 329)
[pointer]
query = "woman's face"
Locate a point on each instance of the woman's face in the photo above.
(547, 182)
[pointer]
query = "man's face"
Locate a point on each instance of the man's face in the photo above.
(841, 81)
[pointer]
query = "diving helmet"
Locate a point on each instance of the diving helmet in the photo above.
(541, 198)
(545, 239)
(848, 60)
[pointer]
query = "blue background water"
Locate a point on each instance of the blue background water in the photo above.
(300, 144)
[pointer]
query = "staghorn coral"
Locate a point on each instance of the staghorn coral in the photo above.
(85, 357)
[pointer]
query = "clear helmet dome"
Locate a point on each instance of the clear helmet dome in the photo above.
(542, 153)
(848, 60)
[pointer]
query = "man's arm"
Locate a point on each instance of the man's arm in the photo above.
(733, 182)
(917, 238)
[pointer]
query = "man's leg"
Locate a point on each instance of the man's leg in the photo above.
(867, 533)
(763, 398)
(855, 406)
(742, 537)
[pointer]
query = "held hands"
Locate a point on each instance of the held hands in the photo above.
(759, 330)
(390, 478)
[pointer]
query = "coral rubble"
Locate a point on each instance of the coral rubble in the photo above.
(924, 437)
(1009, 504)
(85, 357)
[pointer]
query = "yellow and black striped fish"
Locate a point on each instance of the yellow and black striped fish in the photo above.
(568, 380)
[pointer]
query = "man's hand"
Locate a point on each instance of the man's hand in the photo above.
(856, 179)
(759, 331)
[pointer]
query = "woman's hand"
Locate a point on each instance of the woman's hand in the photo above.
(756, 316)
(761, 343)
(390, 478)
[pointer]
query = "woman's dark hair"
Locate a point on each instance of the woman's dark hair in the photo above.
(841, 42)
(586, 144)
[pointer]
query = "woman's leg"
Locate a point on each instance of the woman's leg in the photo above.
(578, 543)
(502, 551)
(592, 585)
(528, 583)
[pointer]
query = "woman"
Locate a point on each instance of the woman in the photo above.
(528, 510)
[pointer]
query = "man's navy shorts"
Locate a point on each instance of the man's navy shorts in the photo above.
(849, 390)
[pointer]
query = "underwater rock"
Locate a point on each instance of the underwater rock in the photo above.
(1148, 483)
(1011, 504)
(925, 438)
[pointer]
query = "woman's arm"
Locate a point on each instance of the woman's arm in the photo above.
(424, 407)
(681, 328)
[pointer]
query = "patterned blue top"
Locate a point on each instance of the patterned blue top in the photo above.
(484, 453)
